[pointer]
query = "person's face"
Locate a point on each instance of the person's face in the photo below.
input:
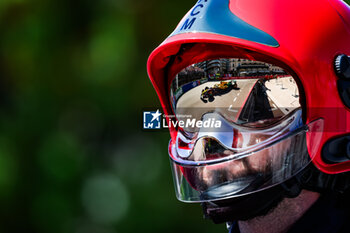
(260, 163)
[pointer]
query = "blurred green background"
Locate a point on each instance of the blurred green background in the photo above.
(73, 156)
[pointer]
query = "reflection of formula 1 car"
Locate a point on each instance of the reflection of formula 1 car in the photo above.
(224, 85)
(218, 89)
(207, 94)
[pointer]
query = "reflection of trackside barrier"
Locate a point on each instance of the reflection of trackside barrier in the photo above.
(185, 88)
(178, 93)
(265, 77)
(189, 86)
(204, 80)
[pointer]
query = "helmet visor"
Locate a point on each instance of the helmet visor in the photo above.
(240, 129)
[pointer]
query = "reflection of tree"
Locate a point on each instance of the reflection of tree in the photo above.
(190, 74)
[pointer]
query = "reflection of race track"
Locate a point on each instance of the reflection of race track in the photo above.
(228, 104)
(283, 94)
(251, 101)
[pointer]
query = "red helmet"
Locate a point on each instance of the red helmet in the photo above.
(307, 40)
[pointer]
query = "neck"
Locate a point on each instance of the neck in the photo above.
(282, 217)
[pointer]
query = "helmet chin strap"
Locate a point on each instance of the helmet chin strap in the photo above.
(262, 202)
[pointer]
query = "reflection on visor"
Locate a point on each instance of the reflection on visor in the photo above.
(257, 170)
(239, 140)
(243, 91)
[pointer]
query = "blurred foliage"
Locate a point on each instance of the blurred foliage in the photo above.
(73, 157)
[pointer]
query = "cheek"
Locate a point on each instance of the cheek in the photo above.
(260, 161)
(270, 158)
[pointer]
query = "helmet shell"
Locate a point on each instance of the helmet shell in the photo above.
(310, 35)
